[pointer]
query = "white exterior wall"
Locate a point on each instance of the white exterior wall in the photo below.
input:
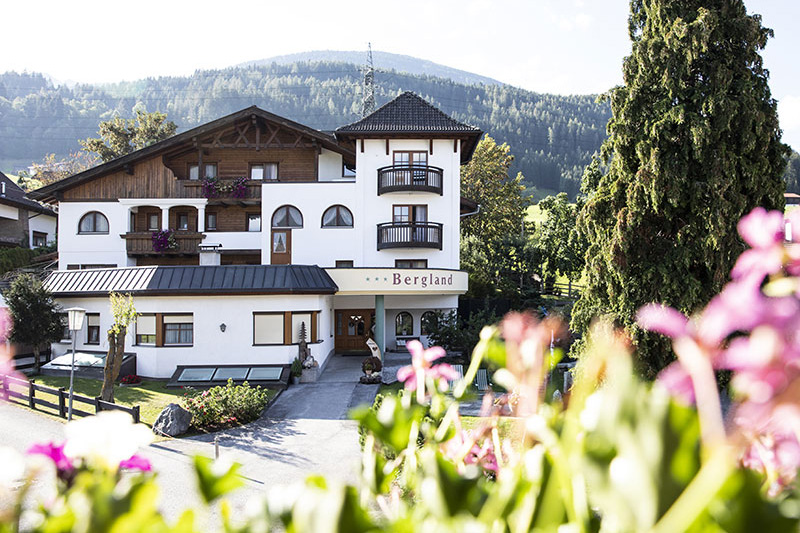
(43, 224)
(378, 209)
(330, 166)
(210, 346)
(312, 244)
(92, 249)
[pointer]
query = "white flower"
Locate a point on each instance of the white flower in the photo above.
(105, 440)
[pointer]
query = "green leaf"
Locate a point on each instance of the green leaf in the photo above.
(214, 479)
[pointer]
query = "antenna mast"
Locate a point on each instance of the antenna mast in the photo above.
(368, 87)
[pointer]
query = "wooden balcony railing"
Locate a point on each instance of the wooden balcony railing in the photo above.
(194, 189)
(416, 178)
(141, 243)
(409, 235)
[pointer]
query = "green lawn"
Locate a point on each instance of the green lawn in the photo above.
(150, 396)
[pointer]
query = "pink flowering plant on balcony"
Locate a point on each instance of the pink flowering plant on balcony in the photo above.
(216, 188)
(164, 240)
(616, 454)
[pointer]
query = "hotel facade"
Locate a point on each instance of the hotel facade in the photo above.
(237, 236)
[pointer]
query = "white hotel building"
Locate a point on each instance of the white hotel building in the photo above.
(354, 233)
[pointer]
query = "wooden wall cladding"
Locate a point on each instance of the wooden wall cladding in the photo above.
(152, 179)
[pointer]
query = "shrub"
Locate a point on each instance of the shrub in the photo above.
(297, 368)
(130, 379)
(225, 406)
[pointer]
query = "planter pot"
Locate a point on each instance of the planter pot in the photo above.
(310, 375)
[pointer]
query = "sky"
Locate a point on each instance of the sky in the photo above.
(549, 46)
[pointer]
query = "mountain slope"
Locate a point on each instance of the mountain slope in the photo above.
(381, 61)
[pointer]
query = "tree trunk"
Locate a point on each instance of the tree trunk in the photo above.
(107, 392)
(36, 358)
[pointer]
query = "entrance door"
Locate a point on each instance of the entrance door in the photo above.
(353, 327)
(281, 247)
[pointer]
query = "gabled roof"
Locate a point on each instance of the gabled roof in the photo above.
(15, 196)
(189, 280)
(326, 140)
(410, 115)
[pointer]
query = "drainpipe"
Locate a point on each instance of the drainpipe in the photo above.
(471, 212)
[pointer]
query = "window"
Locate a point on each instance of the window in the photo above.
(403, 324)
(211, 221)
(287, 216)
(178, 329)
(39, 239)
(410, 213)
(344, 264)
(93, 222)
(428, 322)
(92, 328)
(348, 171)
(146, 329)
(183, 221)
(267, 328)
(337, 216)
(253, 222)
(211, 171)
(283, 328)
(66, 334)
(416, 159)
(411, 263)
(264, 171)
(153, 224)
(299, 319)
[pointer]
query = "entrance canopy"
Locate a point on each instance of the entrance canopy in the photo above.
(399, 281)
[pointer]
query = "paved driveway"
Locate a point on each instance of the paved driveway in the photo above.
(305, 431)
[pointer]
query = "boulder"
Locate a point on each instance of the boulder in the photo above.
(174, 420)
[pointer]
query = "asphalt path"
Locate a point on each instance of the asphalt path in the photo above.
(304, 431)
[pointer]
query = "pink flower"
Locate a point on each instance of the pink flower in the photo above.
(777, 457)
(677, 381)
(136, 462)
(55, 453)
(421, 367)
(663, 319)
(464, 447)
(764, 232)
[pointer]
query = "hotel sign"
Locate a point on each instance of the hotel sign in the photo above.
(398, 280)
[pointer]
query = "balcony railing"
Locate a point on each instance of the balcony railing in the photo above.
(141, 243)
(407, 178)
(409, 235)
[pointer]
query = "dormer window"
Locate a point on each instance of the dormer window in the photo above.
(210, 171)
(264, 171)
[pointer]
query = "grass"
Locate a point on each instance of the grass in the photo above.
(150, 396)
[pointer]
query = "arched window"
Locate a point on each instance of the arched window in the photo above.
(403, 324)
(337, 216)
(287, 216)
(93, 222)
(428, 322)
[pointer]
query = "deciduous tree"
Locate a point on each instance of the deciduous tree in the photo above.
(123, 312)
(693, 145)
(119, 137)
(562, 249)
(35, 315)
(486, 235)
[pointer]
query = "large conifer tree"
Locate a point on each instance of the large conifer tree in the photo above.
(693, 145)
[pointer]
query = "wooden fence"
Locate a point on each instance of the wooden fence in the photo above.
(566, 290)
(26, 390)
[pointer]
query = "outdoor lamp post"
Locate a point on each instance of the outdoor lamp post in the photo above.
(75, 323)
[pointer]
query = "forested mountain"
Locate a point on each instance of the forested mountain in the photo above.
(382, 60)
(553, 137)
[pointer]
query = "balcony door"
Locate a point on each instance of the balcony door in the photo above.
(281, 247)
(412, 159)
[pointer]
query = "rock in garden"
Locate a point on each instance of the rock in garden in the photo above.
(174, 420)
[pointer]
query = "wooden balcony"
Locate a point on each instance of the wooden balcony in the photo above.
(405, 178)
(409, 235)
(141, 243)
(194, 189)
